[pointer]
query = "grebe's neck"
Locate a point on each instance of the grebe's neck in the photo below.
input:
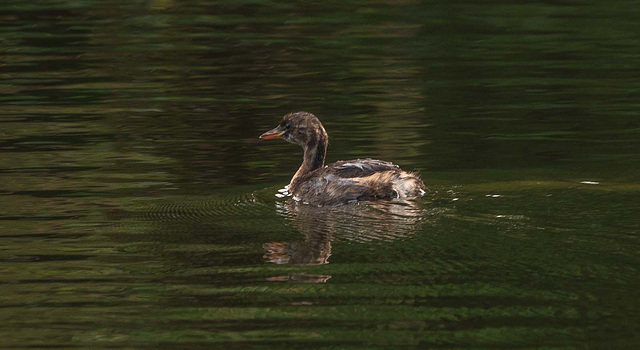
(314, 153)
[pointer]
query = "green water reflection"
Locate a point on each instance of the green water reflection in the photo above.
(137, 205)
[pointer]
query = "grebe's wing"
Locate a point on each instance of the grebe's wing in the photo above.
(360, 167)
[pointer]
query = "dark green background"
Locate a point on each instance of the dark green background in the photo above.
(137, 205)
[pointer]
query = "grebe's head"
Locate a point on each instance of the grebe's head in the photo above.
(301, 128)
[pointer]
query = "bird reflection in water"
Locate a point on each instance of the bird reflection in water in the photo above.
(321, 226)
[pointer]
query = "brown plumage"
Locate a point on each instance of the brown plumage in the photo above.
(344, 181)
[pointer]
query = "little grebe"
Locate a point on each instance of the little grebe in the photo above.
(342, 182)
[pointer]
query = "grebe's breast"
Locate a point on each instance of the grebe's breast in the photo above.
(356, 180)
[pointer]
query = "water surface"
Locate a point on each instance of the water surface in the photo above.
(137, 205)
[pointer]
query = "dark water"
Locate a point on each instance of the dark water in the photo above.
(137, 205)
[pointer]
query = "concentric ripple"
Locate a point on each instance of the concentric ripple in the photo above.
(195, 208)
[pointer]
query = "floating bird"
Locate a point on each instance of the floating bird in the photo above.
(342, 182)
